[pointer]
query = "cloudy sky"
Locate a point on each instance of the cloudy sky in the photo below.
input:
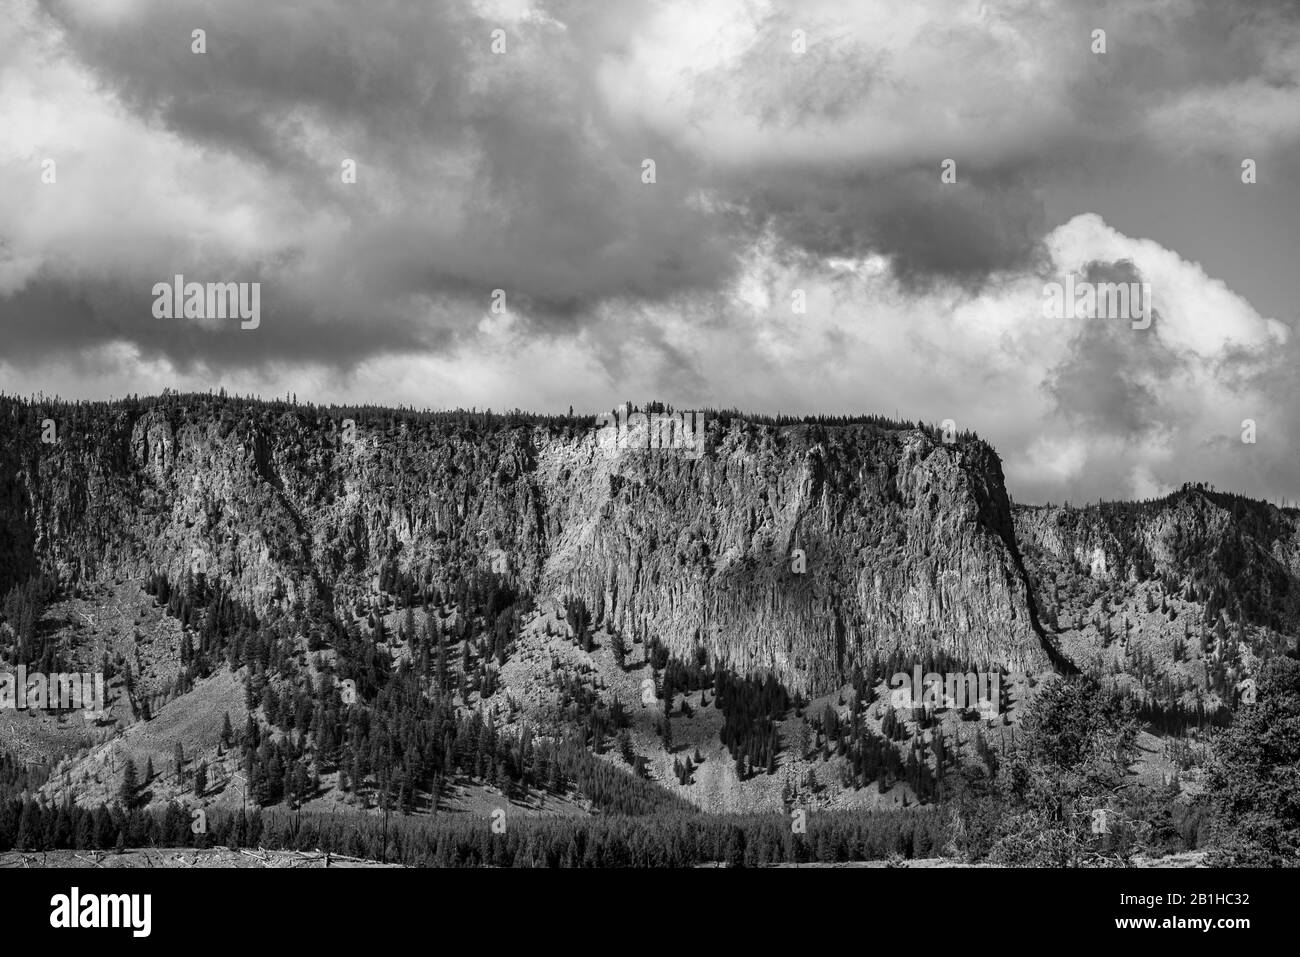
(798, 149)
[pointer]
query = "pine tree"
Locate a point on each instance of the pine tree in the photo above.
(128, 792)
(735, 853)
(625, 746)
(29, 829)
(1256, 820)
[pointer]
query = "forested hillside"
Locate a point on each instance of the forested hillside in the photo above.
(408, 613)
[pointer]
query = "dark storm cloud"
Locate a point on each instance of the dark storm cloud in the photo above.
(52, 316)
(549, 203)
(522, 172)
(1108, 383)
(961, 232)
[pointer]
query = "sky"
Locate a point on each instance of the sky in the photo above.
(854, 208)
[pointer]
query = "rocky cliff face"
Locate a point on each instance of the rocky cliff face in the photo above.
(909, 543)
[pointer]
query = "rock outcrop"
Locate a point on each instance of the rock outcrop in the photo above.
(908, 543)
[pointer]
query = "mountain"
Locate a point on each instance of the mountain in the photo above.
(909, 542)
(519, 604)
(1182, 596)
(1229, 553)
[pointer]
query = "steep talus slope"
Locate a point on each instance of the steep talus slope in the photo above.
(909, 541)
